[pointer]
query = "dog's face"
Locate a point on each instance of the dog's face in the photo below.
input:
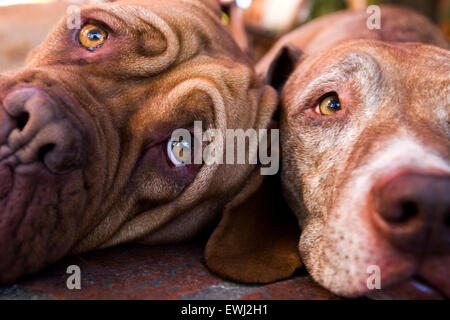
(366, 167)
(86, 157)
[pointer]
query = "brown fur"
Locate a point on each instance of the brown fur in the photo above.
(166, 64)
(395, 117)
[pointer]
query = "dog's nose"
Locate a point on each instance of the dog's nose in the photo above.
(38, 129)
(413, 210)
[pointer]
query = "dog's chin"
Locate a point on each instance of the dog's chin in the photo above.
(414, 288)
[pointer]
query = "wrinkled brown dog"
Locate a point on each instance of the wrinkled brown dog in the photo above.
(365, 152)
(84, 129)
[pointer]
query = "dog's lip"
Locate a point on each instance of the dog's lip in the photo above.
(415, 287)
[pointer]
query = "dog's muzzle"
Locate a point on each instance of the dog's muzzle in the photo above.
(44, 187)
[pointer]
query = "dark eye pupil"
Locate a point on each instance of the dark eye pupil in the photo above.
(334, 104)
(95, 35)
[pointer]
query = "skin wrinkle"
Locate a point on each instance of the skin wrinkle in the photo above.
(18, 225)
(24, 214)
(110, 220)
(10, 191)
(134, 227)
(172, 48)
(35, 235)
(13, 181)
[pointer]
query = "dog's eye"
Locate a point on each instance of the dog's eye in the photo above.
(328, 105)
(91, 36)
(179, 153)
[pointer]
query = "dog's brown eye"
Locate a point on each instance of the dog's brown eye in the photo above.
(179, 152)
(329, 105)
(91, 36)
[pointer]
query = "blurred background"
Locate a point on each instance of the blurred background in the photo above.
(256, 24)
(265, 21)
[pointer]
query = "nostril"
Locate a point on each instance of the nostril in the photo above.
(409, 209)
(399, 212)
(44, 150)
(22, 120)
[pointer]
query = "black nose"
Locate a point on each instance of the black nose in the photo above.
(35, 128)
(413, 211)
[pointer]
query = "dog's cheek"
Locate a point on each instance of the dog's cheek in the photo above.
(350, 247)
(332, 258)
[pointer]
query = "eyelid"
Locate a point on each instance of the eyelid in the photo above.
(98, 23)
(313, 98)
(326, 95)
(91, 21)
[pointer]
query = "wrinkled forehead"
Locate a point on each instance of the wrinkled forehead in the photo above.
(132, 13)
(371, 64)
(185, 18)
(160, 33)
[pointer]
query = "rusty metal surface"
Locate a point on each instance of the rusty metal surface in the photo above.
(142, 272)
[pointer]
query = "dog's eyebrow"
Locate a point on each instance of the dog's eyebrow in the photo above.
(360, 65)
(105, 15)
(121, 17)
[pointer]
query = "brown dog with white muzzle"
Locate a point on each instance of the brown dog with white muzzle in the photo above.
(366, 153)
(87, 158)
(365, 148)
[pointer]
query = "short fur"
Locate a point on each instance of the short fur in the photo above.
(165, 64)
(394, 85)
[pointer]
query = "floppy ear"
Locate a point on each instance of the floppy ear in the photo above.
(256, 240)
(278, 64)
